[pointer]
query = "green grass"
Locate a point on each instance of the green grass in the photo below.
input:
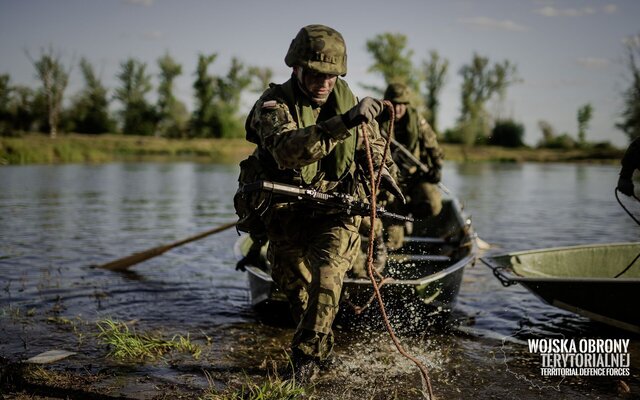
(274, 388)
(128, 345)
(75, 148)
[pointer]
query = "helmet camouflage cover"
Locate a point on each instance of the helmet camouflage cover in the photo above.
(398, 93)
(318, 48)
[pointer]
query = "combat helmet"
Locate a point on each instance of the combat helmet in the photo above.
(398, 93)
(320, 49)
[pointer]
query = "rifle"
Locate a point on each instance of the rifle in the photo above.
(422, 166)
(341, 201)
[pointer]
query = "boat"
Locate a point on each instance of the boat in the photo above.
(422, 282)
(597, 281)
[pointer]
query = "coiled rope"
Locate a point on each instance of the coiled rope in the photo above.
(636, 221)
(375, 184)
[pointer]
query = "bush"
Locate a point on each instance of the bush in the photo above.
(507, 133)
(564, 142)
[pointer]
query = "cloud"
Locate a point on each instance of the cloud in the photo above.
(610, 8)
(593, 62)
(493, 24)
(550, 11)
(145, 3)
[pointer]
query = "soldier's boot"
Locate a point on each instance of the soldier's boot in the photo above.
(304, 369)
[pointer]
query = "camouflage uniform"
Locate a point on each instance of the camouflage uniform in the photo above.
(304, 144)
(416, 135)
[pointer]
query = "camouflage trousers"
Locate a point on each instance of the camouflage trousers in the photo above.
(423, 200)
(310, 255)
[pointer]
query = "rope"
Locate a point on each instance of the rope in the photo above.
(375, 184)
(636, 221)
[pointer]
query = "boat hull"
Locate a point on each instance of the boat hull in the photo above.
(426, 282)
(582, 281)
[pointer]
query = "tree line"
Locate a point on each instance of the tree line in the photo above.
(485, 82)
(217, 97)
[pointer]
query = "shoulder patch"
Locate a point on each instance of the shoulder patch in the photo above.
(270, 104)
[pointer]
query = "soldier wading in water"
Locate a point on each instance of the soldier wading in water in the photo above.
(307, 134)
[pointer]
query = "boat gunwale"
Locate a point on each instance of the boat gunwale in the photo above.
(508, 273)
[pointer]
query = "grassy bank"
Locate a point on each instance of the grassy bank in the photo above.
(74, 148)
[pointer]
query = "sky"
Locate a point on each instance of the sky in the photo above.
(568, 53)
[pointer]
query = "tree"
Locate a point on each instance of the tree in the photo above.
(630, 123)
(393, 60)
(5, 100)
(435, 72)
(584, 117)
(480, 83)
(54, 78)
(507, 133)
(172, 113)
(91, 107)
(138, 116)
(263, 77)
(204, 87)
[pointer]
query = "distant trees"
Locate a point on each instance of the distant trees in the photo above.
(91, 105)
(392, 59)
(480, 83)
(54, 78)
(630, 116)
(435, 73)
(216, 112)
(584, 117)
(137, 114)
(172, 115)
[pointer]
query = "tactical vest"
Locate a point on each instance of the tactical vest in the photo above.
(407, 130)
(340, 161)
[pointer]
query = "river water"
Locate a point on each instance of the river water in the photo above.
(58, 221)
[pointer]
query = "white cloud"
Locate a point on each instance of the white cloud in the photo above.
(145, 3)
(493, 24)
(550, 11)
(593, 62)
(610, 8)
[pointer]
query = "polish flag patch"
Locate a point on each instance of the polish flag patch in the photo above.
(269, 104)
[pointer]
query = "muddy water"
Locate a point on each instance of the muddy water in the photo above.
(57, 221)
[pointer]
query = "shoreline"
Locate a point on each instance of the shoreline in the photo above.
(36, 148)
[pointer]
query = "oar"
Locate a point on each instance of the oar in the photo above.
(126, 262)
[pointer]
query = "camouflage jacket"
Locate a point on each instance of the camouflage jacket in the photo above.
(286, 144)
(414, 132)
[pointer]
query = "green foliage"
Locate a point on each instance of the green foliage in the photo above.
(563, 141)
(138, 116)
(480, 83)
(54, 78)
(435, 72)
(129, 345)
(90, 109)
(507, 133)
(218, 99)
(392, 59)
(173, 118)
(584, 117)
(274, 388)
(630, 115)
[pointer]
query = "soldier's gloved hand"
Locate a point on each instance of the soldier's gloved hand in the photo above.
(433, 175)
(390, 184)
(625, 186)
(365, 111)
